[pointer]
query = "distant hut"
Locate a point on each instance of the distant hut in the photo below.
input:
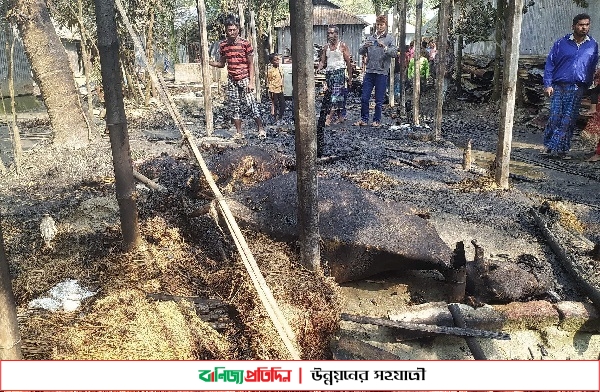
(326, 13)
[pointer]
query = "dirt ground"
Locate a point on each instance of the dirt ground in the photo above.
(186, 254)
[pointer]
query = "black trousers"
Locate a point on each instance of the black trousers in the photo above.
(279, 102)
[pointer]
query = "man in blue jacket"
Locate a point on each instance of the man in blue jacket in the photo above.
(568, 73)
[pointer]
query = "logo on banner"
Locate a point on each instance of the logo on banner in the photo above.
(261, 374)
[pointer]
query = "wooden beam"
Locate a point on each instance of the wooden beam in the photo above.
(303, 81)
(509, 86)
(425, 327)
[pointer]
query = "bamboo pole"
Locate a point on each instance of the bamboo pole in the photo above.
(264, 292)
(6, 116)
(87, 66)
(417, 58)
(17, 147)
(206, 71)
(392, 92)
(10, 338)
(257, 89)
(442, 53)
(150, 86)
(402, 54)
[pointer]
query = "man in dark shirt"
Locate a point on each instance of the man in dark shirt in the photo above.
(568, 73)
(239, 54)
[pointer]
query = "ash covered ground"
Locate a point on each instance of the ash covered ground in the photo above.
(395, 162)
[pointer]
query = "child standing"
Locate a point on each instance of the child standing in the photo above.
(422, 67)
(275, 87)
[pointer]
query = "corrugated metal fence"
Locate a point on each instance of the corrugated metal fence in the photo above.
(22, 77)
(544, 23)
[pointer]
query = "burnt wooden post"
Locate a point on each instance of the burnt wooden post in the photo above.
(442, 52)
(206, 72)
(303, 82)
(10, 338)
(325, 109)
(460, 43)
(116, 122)
(417, 75)
(509, 84)
(457, 275)
(402, 45)
(472, 342)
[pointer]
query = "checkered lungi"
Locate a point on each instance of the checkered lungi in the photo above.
(336, 80)
(564, 110)
(238, 97)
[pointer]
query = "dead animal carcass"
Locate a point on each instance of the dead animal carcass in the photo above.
(361, 235)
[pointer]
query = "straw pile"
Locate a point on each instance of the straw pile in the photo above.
(121, 322)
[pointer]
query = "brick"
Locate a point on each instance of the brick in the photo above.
(578, 316)
(529, 315)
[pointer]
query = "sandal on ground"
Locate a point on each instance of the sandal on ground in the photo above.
(238, 136)
(360, 123)
(375, 124)
(328, 120)
(593, 158)
(262, 134)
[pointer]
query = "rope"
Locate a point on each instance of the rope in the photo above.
(266, 296)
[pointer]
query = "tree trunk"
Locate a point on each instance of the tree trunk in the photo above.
(116, 122)
(303, 81)
(52, 73)
(243, 32)
(509, 85)
(87, 64)
(10, 338)
(500, 8)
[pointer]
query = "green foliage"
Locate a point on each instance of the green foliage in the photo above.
(355, 7)
(476, 21)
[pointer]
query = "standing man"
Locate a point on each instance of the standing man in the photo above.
(379, 48)
(336, 56)
(568, 73)
(239, 54)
